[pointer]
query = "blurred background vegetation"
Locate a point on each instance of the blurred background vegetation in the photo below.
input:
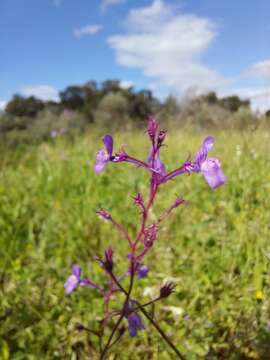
(216, 248)
(109, 106)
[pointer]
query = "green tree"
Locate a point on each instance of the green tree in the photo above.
(233, 103)
(83, 98)
(73, 97)
(112, 111)
(211, 98)
(21, 106)
(109, 86)
(142, 105)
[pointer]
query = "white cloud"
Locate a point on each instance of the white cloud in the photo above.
(259, 97)
(125, 84)
(3, 105)
(167, 46)
(87, 30)
(43, 92)
(260, 70)
(107, 3)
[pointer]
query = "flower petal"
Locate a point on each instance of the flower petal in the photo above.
(76, 271)
(108, 142)
(142, 271)
(211, 170)
(206, 146)
(102, 158)
(71, 284)
(134, 324)
(208, 143)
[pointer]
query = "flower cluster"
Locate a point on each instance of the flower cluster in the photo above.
(209, 167)
(138, 247)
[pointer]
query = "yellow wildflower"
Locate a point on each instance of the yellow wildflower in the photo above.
(259, 295)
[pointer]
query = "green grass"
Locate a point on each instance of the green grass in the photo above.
(216, 249)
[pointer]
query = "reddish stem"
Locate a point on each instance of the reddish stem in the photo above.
(122, 231)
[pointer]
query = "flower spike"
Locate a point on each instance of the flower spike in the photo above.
(144, 239)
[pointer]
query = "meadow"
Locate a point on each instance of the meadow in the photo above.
(215, 248)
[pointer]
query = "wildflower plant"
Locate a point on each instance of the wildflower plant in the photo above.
(131, 312)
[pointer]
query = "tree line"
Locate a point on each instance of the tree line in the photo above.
(110, 105)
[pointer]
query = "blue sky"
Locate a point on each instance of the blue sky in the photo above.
(172, 47)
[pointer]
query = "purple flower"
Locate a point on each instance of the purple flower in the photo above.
(74, 280)
(210, 168)
(104, 156)
(134, 324)
(142, 271)
(134, 320)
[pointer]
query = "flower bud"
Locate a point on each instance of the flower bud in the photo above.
(150, 235)
(166, 290)
(120, 156)
(161, 137)
(108, 263)
(104, 214)
(152, 128)
(79, 327)
(138, 200)
(178, 201)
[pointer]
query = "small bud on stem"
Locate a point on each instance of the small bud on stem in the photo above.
(104, 214)
(152, 129)
(161, 138)
(167, 290)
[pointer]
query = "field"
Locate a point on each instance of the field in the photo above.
(216, 248)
